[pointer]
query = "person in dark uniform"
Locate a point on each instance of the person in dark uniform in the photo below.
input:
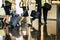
(45, 10)
(7, 9)
(25, 8)
(25, 11)
(25, 15)
(38, 2)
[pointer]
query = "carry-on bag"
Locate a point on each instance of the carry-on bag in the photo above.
(14, 20)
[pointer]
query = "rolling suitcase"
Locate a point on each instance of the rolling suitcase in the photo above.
(14, 20)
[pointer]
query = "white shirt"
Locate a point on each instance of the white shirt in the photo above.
(18, 9)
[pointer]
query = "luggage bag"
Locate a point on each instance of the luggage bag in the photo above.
(14, 20)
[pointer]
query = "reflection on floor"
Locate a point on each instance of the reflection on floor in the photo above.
(48, 32)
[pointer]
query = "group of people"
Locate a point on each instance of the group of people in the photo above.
(14, 5)
(11, 6)
(41, 6)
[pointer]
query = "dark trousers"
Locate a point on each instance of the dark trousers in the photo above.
(45, 12)
(39, 10)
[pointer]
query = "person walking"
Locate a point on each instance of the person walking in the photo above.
(45, 10)
(38, 2)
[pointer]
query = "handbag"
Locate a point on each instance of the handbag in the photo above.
(47, 5)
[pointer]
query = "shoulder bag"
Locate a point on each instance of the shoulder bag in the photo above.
(47, 5)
